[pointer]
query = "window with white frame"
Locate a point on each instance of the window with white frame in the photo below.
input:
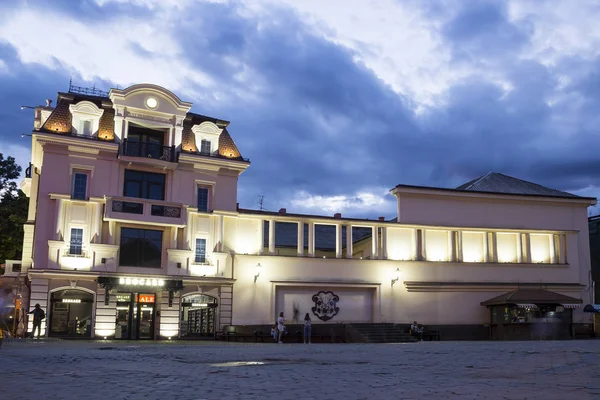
(200, 257)
(473, 246)
(542, 247)
(436, 245)
(203, 194)
(76, 242)
(507, 245)
(79, 189)
(205, 146)
(86, 127)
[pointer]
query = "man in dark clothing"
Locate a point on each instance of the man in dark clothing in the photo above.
(38, 316)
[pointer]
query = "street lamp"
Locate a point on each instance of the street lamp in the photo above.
(24, 107)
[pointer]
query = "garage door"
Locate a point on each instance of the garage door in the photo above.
(326, 304)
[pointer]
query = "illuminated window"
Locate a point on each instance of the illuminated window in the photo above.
(541, 248)
(507, 245)
(436, 245)
(473, 246)
(76, 243)
(200, 251)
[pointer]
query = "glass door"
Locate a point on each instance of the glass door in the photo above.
(124, 313)
(145, 316)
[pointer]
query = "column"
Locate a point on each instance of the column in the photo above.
(97, 238)
(562, 248)
(300, 239)
(338, 241)
(451, 247)
(384, 243)
(553, 248)
(421, 245)
(58, 229)
(526, 246)
(459, 247)
(220, 229)
(349, 243)
(520, 257)
(188, 231)
(271, 237)
(112, 228)
(311, 239)
(375, 243)
(486, 247)
(174, 230)
(494, 246)
(261, 237)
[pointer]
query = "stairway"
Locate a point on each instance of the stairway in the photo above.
(381, 333)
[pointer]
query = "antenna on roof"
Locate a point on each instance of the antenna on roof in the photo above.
(261, 200)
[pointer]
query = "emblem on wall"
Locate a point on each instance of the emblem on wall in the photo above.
(325, 305)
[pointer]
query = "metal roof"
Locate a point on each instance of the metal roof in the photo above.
(494, 182)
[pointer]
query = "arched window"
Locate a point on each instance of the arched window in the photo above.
(71, 313)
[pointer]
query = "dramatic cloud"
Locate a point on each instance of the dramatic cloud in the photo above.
(336, 103)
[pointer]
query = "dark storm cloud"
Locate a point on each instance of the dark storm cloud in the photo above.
(312, 118)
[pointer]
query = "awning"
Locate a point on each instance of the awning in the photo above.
(593, 308)
(527, 306)
(531, 296)
(571, 306)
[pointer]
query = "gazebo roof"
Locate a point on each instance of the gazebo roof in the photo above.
(531, 296)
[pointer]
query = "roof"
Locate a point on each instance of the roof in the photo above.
(494, 182)
(592, 308)
(531, 296)
(500, 184)
(60, 122)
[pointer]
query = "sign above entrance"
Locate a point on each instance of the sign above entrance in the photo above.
(146, 298)
(144, 284)
(141, 282)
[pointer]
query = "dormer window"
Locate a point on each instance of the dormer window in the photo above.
(86, 118)
(86, 128)
(205, 147)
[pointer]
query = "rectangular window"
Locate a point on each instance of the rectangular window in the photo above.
(542, 246)
(140, 248)
(436, 245)
(76, 244)
(507, 245)
(79, 186)
(86, 128)
(200, 251)
(203, 199)
(144, 185)
(473, 246)
(205, 147)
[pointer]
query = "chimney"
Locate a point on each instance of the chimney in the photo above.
(48, 103)
(337, 215)
(382, 218)
(282, 211)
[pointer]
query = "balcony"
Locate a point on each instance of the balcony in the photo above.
(148, 150)
(145, 211)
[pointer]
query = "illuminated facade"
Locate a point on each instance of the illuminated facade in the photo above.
(134, 233)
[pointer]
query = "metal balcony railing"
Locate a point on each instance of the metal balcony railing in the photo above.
(146, 208)
(148, 150)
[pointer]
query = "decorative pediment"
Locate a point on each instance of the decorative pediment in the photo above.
(149, 97)
(207, 131)
(86, 107)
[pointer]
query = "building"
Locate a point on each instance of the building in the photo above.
(134, 233)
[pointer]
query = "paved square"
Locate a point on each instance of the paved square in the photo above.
(215, 370)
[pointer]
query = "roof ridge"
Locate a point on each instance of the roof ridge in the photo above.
(477, 180)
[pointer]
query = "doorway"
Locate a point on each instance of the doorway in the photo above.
(135, 316)
(198, 316)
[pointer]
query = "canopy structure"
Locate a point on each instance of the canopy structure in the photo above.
(592, 308)
(530, 298)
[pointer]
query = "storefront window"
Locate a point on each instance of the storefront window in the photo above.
(198, 316)
(71, 313)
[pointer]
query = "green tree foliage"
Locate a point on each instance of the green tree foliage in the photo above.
(13, 210)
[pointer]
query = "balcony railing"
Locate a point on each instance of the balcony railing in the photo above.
(145, 210)
(215, 155)
(148, 150)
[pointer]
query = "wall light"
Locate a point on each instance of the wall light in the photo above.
(396, 276)
(258, 268)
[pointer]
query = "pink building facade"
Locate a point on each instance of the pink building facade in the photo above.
(134, 233)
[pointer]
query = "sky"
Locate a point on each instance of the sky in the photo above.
(336, 102)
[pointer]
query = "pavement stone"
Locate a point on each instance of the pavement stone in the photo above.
(217, 370)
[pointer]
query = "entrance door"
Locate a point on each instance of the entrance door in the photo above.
(135, 316)
(198, 315)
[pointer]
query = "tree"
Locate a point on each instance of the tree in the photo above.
(13, 210)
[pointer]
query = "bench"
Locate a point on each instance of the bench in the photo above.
(431, 335)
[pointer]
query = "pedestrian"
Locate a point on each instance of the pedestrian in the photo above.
(275, 332)
(307, 328)
(416, 330)
(38, 316)
(280, 326)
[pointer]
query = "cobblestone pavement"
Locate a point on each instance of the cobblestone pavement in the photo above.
(214, 370)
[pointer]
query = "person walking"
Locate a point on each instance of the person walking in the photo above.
(307, 328)
(38, 316)
(280, 326)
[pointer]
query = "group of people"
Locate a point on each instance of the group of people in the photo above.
(278, 330)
